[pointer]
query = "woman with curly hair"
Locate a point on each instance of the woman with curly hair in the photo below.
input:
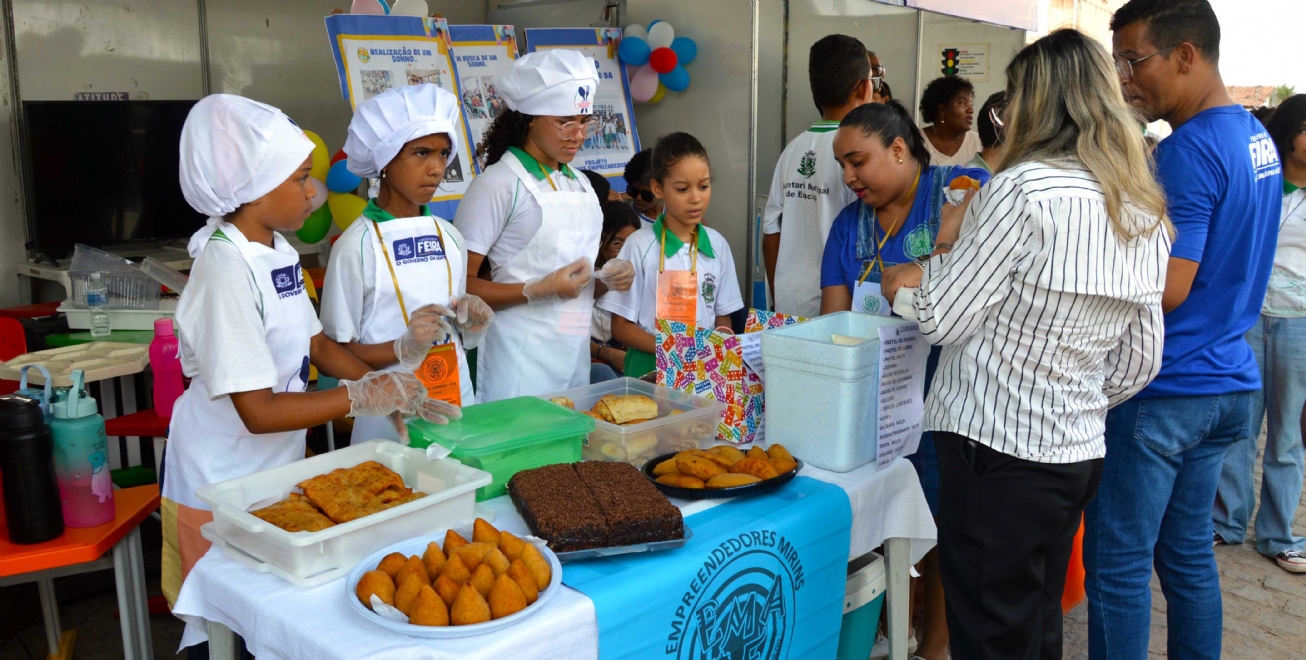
(948, 106)
(538, 222)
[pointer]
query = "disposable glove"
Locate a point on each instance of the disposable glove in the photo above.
(617, 274)
(473, 319)
(428, 324)
(381, 393)
(566, 283)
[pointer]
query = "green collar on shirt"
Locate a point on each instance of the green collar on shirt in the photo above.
(378, 214)
(674, 243)
(824, 126)
(1288, 188)
(537, 168)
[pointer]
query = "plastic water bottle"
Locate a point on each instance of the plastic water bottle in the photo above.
(97, 298)
(166, 366)
(81, 459)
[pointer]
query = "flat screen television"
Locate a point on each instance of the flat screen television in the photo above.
(104, 173)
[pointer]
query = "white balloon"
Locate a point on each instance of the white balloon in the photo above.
(661, 35)
(645, 83)
(319, 193)
(409, 8)
(637, 31)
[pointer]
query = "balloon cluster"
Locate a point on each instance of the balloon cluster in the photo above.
(395, 8)
(333, 193)
(659, 57)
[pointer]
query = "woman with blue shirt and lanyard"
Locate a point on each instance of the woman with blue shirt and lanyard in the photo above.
(902, 214)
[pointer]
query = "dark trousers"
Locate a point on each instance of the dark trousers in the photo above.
(1006, 530)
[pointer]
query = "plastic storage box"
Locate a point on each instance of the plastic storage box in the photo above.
(862, 602)
(313, 558)
(120, 319)
(822, 398)
(506, 437)
(694, 428)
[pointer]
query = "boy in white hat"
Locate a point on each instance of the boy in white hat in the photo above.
(538, 222)
(248, 331)
(398, 267)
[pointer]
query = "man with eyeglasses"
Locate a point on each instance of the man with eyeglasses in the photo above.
(1165, 447)
(637, 175)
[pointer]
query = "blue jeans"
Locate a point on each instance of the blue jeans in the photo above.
(1153, 508)
(600, 373)
(1280, 347)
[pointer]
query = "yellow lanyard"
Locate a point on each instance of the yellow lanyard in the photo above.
(548, 175)
(662, 250)
(875, 227)
(389, 264)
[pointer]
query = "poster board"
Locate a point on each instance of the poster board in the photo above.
(970, 61)
(614, 140)
(481, 52)
(376, 53)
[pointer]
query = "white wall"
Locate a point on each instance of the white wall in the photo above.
(1003, 44)
(12, 232)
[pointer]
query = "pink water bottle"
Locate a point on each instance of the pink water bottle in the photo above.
(166, 365)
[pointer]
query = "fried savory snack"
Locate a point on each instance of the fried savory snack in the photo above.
(295, 514)
(731, 480)
(699, 467)
(506, 597)
(758, 467)
(564, 402)
(626, 408)
(469, 608)
(682, 480)
(558, 508)
(348, 494)
(430, 610)
(375, 582)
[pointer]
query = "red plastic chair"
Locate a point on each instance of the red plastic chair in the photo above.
(13, 342)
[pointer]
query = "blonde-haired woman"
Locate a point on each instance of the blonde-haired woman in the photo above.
(1049, 312)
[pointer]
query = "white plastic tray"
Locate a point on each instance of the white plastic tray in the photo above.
(101, 360)
(695, 428)
(311, 558)
(417, 546)
(120, 319)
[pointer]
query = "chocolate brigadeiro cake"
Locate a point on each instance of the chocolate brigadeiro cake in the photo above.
(594, 505)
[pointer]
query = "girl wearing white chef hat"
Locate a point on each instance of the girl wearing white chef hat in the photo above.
(395, 289)
(247, 329)
(538, 222)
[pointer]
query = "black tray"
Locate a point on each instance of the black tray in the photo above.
(717, 493)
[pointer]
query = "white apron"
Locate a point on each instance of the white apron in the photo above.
(207, 442)
(539, 348)
(413, 246)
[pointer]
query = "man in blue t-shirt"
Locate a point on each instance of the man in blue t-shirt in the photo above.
(1165, 447)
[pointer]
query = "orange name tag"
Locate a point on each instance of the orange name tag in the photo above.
(678, 297)
(439, 373)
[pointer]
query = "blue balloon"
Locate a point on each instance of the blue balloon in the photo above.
(686, 49)
(634, 51)
(341, 180)
(676, 79)
(655, 22)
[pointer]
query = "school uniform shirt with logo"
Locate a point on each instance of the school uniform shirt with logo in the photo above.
(1286, 297)
(718, 288)
(807, 193)
(358, 295)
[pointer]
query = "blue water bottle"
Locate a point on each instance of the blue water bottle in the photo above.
(81, 458)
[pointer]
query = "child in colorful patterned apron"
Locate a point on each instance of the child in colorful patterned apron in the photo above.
(684, 270)
(398, 262)
(538, 223)
(902, 213)
(248, 332)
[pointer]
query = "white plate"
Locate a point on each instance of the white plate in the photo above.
(417, 547)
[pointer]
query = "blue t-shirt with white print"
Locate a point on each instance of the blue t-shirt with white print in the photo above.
(1224, 188)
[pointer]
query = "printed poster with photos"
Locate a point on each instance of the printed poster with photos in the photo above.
(612, 140)
(481, 52)
(377, 53)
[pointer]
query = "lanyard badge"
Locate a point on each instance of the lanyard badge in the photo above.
(677, 297)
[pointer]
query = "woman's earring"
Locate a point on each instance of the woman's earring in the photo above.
(900, 161)
(382, 174)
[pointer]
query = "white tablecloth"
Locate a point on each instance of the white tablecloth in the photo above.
(279, 620)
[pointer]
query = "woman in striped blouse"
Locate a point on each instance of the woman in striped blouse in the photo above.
(1049, 312)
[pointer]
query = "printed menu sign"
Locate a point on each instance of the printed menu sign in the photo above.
(900, 406)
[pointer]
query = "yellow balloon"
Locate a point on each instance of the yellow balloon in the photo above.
(657, 96)
(321, 157)
(345, 208)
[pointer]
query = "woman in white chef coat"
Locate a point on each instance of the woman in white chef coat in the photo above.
(247, 329)
(398, 262)
(538, 222)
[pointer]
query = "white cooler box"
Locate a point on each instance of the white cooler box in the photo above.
(821, 397)
(312, 558)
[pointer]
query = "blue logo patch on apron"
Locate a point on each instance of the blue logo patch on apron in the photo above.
(288, 281)
(417, 250)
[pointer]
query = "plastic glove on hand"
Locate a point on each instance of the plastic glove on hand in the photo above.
(617, 274)
(383, 392)
(473, 319)
(566, 283)
(427, 325)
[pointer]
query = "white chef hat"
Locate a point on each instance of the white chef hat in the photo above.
(554, 82)
(383, 124)
(234, 151)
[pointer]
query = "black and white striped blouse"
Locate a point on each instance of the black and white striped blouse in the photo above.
(1047, 317)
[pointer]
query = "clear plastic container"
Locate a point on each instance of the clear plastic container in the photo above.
(313, 558)
(164, 274)
(814, 384)
(694, 428)
(506, 437)
(127, 286)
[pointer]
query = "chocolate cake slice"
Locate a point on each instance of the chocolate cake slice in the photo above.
(635, 510)
(558, 508)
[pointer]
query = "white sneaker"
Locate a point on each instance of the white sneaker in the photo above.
(881, 648)
(1292, 561)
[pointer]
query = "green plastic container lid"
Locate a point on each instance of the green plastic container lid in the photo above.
(489, 428)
